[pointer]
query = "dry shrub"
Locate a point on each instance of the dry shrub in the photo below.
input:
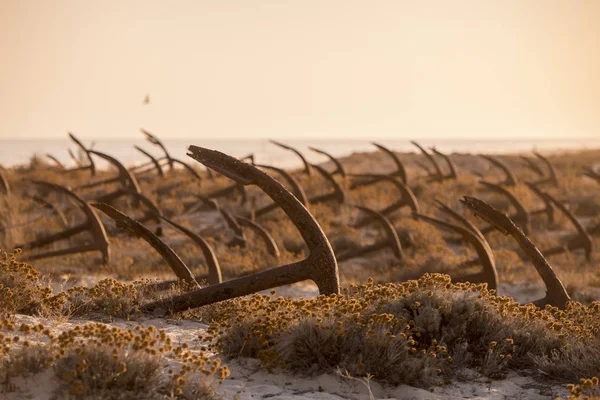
(21, 289)
(26, 361)
(97, 372)
(418, 333)
(588, 206)
(99, 361)
(108, 297)
(237, 261)
(587, 389)
(23, 357)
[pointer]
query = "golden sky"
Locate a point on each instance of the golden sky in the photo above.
(306, 68)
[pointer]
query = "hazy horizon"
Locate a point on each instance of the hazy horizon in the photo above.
(334, 69)
(398, 138)
(21, 150)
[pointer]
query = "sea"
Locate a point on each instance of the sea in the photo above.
(14, 152)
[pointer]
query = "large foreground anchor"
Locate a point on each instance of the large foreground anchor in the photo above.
(556, 295)
(92, 224)
(320, 266)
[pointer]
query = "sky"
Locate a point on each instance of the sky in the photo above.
(300, 69)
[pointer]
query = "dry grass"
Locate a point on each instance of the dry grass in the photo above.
(372, 323)
(587, 389)
(23, 290)
(99, 361)
(418, 333)
(133, 259)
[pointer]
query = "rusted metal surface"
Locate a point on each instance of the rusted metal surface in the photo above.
(521, 215)
(210, 256)
(556, 294)
(339, 168)
(509, 178)
(293, 184)
(552, 177)
(437, 175)
(399, 172)
(91, 166)
(229, 191)
(53, 209)
(590, 173)
(582, 240)
(391, 239)
(337, 194)
(124, 177)
(202, 203)
(237, 223)
(172, 259)
(4, 185)
(74, 158)
(153, 160)
(530, 164)
(400, 169)
(453, 171)
(307, 170)
(157, 142)
(261, 232)
(59, 165)
(232, 223)
(92, 225)
(407, 197)
(476, 239)
(320, 266)
(548, 204)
